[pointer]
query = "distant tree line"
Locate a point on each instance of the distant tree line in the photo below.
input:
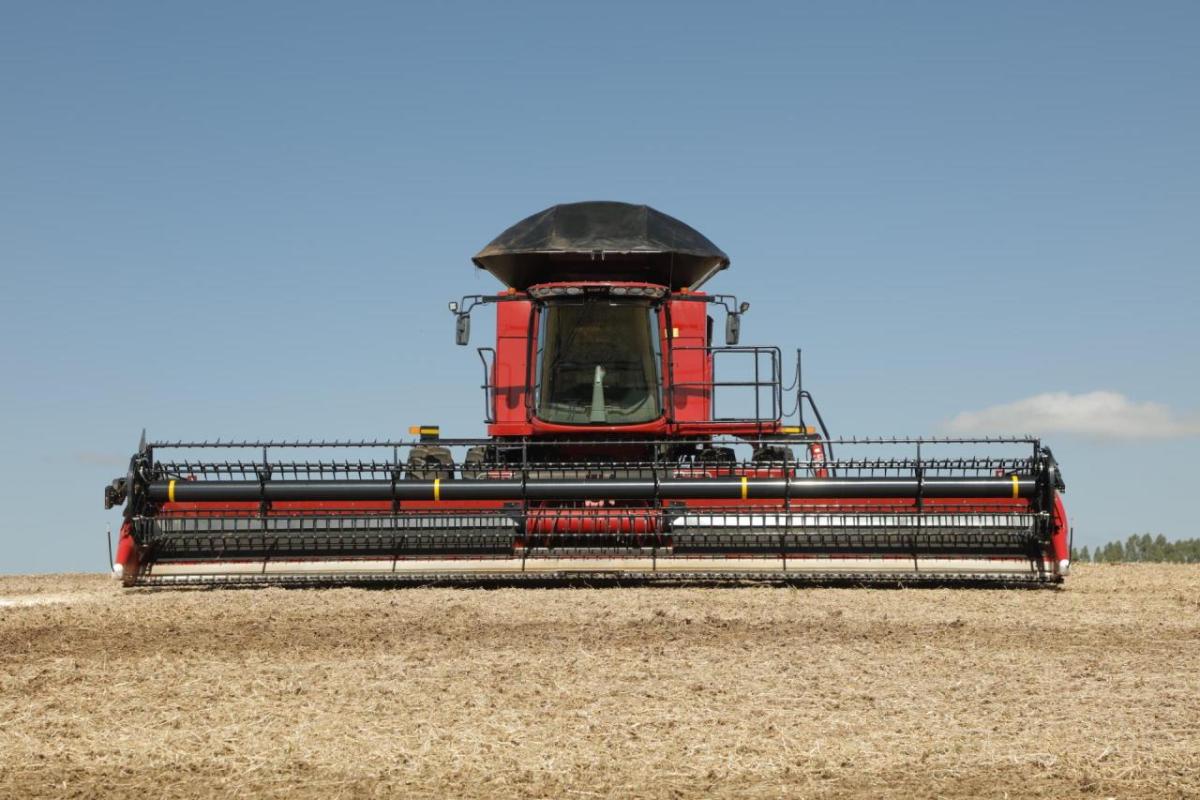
(1142, 548)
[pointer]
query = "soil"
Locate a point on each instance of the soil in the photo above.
(1092, 690)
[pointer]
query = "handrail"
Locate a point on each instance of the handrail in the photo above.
(773, 381)
(489, 386)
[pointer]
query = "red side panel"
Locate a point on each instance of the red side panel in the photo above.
(1060, 540)
(816, 454)
(690, 363)
(513, 334)
(128, 557)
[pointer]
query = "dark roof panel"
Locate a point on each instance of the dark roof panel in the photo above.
(600, 241)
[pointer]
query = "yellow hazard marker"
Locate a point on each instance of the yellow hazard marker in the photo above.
(745, 487)
(1016, 486)
(426, 430)
(437, 490)
(171, 492)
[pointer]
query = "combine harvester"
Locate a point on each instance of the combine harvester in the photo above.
(621, 443)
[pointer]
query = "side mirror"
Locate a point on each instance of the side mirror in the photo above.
(733, 329)
(462, 329)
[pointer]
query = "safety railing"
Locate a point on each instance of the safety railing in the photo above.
(489, 385)
(758, 385)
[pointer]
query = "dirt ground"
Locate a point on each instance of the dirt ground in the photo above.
(1090, 691)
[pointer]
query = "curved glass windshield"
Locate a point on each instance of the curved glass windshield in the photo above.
(598, 363)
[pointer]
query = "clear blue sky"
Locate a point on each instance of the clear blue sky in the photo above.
(244, 220)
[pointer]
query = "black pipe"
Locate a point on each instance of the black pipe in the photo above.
(598, 489)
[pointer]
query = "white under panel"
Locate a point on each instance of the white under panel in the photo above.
(633, 565)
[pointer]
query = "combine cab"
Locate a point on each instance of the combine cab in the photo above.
(621, 442)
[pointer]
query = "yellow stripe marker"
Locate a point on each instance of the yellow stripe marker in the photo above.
(171, 492)
(437, 490)
(1016, 486)
(745, 487)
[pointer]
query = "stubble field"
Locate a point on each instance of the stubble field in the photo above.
(1091, 691)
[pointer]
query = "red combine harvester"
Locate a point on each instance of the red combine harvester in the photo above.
(621, 443)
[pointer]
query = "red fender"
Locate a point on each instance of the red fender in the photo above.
(816, 455)
(1060, 544)
(129, 557)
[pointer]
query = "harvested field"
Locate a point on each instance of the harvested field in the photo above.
(1091, 691)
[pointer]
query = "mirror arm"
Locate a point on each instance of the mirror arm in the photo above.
(462, 312)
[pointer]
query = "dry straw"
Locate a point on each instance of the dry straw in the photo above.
(637, 692)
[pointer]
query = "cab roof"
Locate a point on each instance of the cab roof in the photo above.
(601, 241)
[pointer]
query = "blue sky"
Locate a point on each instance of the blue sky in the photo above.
(244, 220)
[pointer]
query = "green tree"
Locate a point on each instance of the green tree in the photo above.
(1133, 548)
(1146, 548)
(1191, 551)
(1114, 553)
(1163, 551)
(1143, 547)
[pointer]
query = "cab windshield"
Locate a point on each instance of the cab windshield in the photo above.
(598, 363)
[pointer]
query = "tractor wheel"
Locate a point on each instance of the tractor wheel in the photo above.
(473, 464)
(429, 462)
(722, 459)
(781, 456)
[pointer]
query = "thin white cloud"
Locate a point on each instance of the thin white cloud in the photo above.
(1101, 414)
